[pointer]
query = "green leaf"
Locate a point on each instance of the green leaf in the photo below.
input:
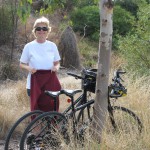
(30, 1)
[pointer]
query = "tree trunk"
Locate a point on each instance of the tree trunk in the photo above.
(105, 44)
(14, 7)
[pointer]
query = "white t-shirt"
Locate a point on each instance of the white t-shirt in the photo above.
(40, 56)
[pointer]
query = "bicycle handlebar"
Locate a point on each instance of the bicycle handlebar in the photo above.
(92, 73)
(74, 75)
(118, 73)
(121, 72)
(117, 76)
(89, 73)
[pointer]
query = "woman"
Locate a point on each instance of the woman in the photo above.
(40, 58)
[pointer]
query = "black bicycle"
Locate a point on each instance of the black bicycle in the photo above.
(122, 120)
(51, 130)
(14, 134)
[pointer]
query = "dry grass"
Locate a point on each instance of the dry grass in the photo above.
(137, 100)
(14, 103)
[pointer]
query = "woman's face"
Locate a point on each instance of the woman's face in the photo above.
(41, 31)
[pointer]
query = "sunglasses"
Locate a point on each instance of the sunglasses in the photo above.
(41, 28)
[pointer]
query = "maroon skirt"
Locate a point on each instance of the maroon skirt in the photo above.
(40, 81)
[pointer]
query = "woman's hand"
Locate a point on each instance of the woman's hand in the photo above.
(28, 68)
(54, 69)
(32, 70)
(56, 66)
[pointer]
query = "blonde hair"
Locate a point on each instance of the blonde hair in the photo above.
(41, 20)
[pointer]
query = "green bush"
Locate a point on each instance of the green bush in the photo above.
(136, 48)
(84, 3)
(87, 17)
(122, 22)
(137, 54)
(8, 71)
(5, 24)
(129, 5)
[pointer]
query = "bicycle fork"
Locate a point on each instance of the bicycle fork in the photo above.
(111, 116)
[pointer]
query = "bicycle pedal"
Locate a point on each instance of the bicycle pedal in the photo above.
(39, 146)
(30, 138)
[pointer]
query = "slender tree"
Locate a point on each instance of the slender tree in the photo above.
(105, 44)
(14, 17)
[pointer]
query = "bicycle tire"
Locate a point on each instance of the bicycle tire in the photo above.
(51, 126)
(14, 127)
(125, 121)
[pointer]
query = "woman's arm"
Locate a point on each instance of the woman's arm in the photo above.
(56, 66)
(27, 67)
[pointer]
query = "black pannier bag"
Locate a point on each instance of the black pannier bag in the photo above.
(89, 82)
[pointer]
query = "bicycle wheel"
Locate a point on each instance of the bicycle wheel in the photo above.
(14, 134)
(47, 131)
(124, 121)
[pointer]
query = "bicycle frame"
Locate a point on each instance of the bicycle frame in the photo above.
(80, 103)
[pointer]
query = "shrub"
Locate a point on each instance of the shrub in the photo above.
(84, 3)
(122, 21)
(129, 5)
(136, 48)
(87, 17)
(8, 71)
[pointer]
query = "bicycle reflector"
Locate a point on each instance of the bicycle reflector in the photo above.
(68, 100)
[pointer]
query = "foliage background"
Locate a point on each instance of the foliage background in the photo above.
(130, 27)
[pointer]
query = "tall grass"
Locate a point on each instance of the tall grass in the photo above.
(14, 102)
(137, 100)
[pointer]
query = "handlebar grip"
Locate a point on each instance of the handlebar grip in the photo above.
(74, 75)
(118, 73)
(121, 72)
